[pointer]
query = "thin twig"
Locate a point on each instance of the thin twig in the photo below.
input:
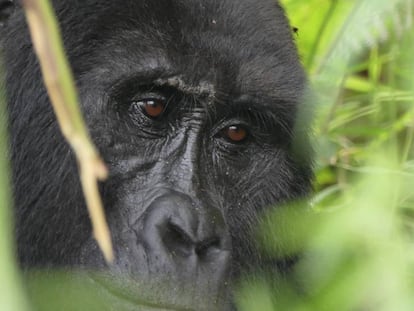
(61, 88)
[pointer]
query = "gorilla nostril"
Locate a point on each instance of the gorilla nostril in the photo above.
(177, 240)
(174, 227)
(209, 246)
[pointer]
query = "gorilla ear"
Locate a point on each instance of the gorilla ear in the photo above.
(6, 9)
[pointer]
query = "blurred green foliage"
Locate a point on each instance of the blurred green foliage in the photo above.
(11, 297)
(357, 234)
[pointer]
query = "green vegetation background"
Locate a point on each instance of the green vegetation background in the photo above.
(358, 228)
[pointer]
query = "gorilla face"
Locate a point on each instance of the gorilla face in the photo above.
(192, 105)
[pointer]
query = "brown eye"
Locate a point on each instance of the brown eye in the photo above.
(153, 108)
(235, 133)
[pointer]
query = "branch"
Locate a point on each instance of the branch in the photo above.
(61, 89)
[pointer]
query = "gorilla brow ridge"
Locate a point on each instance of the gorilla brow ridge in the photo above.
(204, 88)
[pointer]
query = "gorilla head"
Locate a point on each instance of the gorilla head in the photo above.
(193, 106)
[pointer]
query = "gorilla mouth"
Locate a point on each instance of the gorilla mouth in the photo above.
(123, 298)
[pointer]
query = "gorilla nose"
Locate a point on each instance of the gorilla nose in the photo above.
(174, 223)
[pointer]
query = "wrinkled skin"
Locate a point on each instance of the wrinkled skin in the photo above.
(193, 106)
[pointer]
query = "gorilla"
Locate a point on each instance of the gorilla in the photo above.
(194, 106)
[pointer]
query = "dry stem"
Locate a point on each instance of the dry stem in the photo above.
(60, 86)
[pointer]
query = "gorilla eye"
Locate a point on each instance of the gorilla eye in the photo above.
(152, 107)
(235, 133)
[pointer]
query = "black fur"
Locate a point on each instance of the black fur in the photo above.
(217, 63)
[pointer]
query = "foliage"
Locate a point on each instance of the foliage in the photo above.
(11, 297)
(358, 232)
